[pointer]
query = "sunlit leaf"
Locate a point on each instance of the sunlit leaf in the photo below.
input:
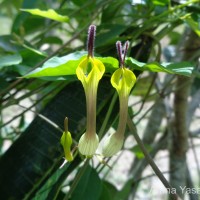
(160, 2)
(50, 14)
(110, 63)
(66, 65)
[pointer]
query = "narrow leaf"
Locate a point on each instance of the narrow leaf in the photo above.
(8, 60)
(50, 14)
(160, 2)
(181, 68)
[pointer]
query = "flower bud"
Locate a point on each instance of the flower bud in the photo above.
(66, 141)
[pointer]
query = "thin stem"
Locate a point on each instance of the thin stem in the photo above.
(150, 160)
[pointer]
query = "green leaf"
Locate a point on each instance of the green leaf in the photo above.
(142, 86)
(108, 33)
(52, 40)
(50, 14)
(111, 64)
(6, 44)
(137, 151)
(181, 68)
(89, 186)
(8, 60)
(108, 191)
(160, 2)
(66, 65)
(109, 13)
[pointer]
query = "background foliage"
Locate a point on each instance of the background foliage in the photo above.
(164, 104)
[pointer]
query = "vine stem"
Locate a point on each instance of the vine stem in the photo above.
(77, 179)
(150, 160)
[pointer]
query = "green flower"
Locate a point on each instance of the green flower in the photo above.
(66, 141)
(89, 72)
(123, 81)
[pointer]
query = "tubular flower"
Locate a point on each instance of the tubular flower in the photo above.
(122, 80)
(89, 72)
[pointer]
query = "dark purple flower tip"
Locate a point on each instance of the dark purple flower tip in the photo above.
(122, 52)
(119, 52)
(91, 38)
(125, 49)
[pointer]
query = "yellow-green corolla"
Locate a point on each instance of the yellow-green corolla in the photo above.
(89, 72)
(122, 80)
(66, 141)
